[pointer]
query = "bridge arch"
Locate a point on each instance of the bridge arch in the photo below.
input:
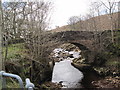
(79, 45)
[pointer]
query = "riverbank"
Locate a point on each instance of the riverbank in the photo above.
(108, 82)
(94, 74)
(97, 78)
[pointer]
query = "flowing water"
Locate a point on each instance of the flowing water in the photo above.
(66, 74)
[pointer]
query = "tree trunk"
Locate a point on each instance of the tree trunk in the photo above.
(112, 33)
(1, 62)
(6, 49)
(0, 36)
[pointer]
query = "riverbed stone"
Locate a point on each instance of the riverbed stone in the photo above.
(81, 67)
(79, 60)
(69, 47)
(66, 51)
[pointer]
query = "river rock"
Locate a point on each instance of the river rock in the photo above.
(66, 51)
(64, 54)
(81, 67)
(69, 47)
(79, 60)
(57, 50)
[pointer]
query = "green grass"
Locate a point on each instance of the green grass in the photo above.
(12, 83)
(14, 51)
(113, 62)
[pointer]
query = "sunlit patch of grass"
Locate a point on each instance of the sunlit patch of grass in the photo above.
(14, 51)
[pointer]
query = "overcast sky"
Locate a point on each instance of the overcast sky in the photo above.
(64, 9)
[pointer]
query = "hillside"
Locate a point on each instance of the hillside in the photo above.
(98, 23)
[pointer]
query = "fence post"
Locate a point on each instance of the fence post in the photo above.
(3, 80)
(29, 85)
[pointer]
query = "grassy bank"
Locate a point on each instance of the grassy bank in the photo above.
(15, 51)
(19, 62)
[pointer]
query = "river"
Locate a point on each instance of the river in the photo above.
(66, 74)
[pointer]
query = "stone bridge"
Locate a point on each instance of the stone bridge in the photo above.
(82, 39)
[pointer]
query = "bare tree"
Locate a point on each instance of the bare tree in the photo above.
(111, 8)
(73, 21)
(11, 22)
(96, 7)
(80, 23)
(28, 21)
(36, 20)
(1, 62)
(37, 17)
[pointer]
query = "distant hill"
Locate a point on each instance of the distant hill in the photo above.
(98, 23)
